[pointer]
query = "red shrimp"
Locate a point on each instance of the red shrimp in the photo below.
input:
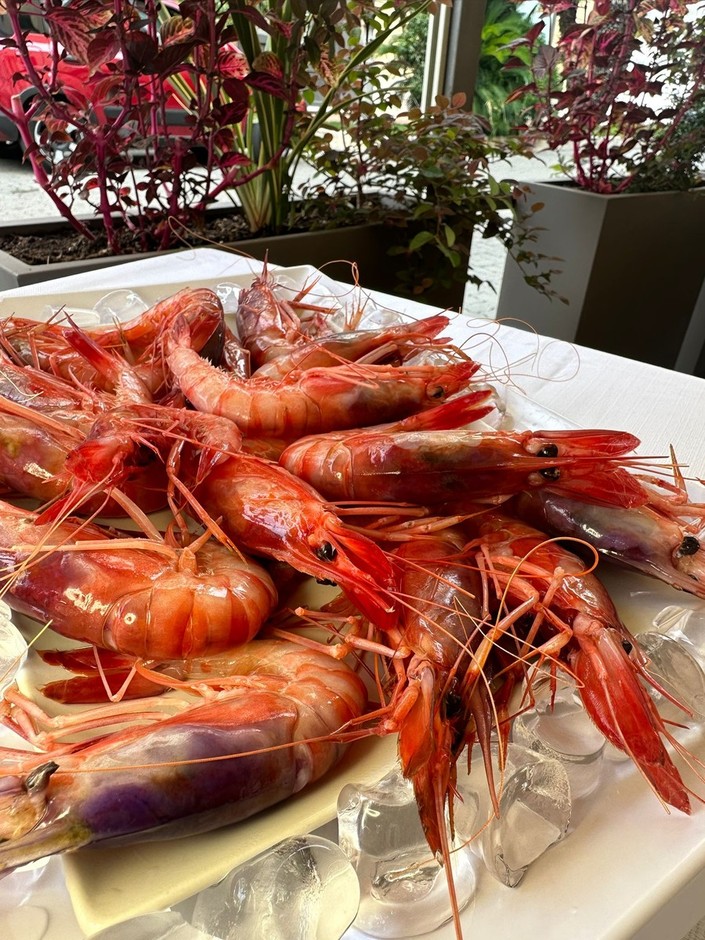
(439, 627)
(33, 455)
(258, 504)
(44, 345)
(446, 694)
(266, 325)
(641, 538)
(270, 512)
(273, 729)
(312, 401)
(135, 596)
(587, 636)
(455, 469)
(40, 459)
(46, 394)
(388, 345)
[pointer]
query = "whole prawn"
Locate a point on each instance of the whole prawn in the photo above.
(135, 596)
(270, 724)
(586, 634)
(267, 325)
(641, 538)
(390, 345)
(423, 461)
(45, 346)
(255, 503)
(314, 400)
(271, 512)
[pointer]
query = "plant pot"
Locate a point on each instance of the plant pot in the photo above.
(630, 266)
(331, 249)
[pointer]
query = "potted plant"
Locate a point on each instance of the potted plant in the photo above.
(621, 95)
(157, 109)
(181, 102)
(427, 175)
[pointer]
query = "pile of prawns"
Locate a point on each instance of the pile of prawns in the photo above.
(283, 449)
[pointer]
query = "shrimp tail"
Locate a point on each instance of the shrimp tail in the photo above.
(622, 709)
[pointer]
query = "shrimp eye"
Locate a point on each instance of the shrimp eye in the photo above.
(627, 646)
(453, 705)
(548, 450)
(689, 546)
(326, 552)
(436, 392)
(550, 473)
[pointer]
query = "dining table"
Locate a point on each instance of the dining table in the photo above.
(630, 868)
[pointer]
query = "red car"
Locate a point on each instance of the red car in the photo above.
(74, 79)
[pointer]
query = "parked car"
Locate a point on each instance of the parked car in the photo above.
(73, 82)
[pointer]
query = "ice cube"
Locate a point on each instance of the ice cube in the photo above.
(531, 833)
(119, 306)
(403, 888)
(559, 727)
(305, 881)
(534, 811)
(674, 666)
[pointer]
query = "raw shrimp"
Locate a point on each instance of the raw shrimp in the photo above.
(44, 345)
(49, 395)
(272, 730)
(455, 469)
(33, 456)
(587, 636)
(256, 503)
(315, 400)
(135, 596)
(641, 538)
(439, 626)
(41, 455)
(270, 512)
(387, 345)
(266, 325)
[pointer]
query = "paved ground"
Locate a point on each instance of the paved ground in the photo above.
(21, 199)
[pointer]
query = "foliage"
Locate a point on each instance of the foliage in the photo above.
(329, 51)
(503, 25)
(127, 58)
(408, 46)
(428, 175)
(242, 72)
(618, 90)
(259, 84)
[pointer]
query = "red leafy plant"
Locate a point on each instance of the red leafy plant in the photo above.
(620, 90)
(184, 101)
(130, 152)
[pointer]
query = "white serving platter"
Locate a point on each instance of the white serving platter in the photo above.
(612, 879)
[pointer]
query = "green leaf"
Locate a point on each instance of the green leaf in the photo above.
(450, 235)
(420, 239)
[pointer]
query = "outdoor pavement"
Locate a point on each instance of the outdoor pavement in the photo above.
(22, 199)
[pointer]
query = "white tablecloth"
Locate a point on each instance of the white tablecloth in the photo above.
(629, 870)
